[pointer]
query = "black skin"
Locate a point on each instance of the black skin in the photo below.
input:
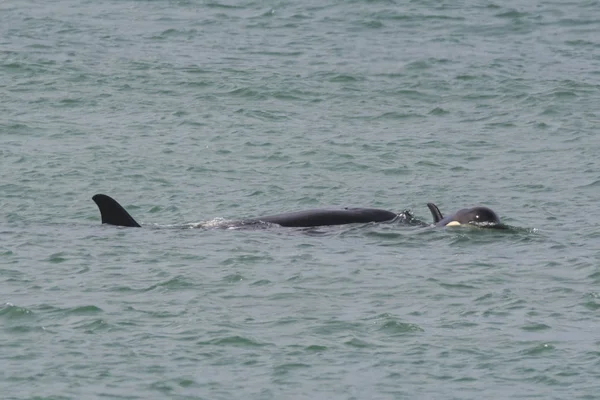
(113, 213)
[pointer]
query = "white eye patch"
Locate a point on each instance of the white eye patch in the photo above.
(453, 223)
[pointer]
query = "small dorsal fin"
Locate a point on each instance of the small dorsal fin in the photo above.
(435, 212)
(113, 213)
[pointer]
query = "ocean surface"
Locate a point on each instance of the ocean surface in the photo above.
(196, 112)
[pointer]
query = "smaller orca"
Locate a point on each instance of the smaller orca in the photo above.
(478, 216)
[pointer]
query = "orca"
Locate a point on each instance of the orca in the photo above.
(477, 216)
(113, 213)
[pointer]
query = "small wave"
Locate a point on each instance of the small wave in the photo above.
(395, 116)
(511, 14)
(84, 310)
(393, 326)
(213, 223)
(10, 311)
(235, 341)
(592, 185)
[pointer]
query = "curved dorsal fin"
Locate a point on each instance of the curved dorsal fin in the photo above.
(435, 212)
(112, 212)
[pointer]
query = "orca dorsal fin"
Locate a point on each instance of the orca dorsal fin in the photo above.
(435, 212)
(113, 213)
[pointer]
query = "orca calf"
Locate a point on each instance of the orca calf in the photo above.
(478, 216)
(113, 213)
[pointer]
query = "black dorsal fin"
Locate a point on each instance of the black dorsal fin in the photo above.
(112, 212)
(435, 212)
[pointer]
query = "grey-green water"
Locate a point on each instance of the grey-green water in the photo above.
(188, 111)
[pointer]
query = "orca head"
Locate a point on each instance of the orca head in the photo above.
(477, 216)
